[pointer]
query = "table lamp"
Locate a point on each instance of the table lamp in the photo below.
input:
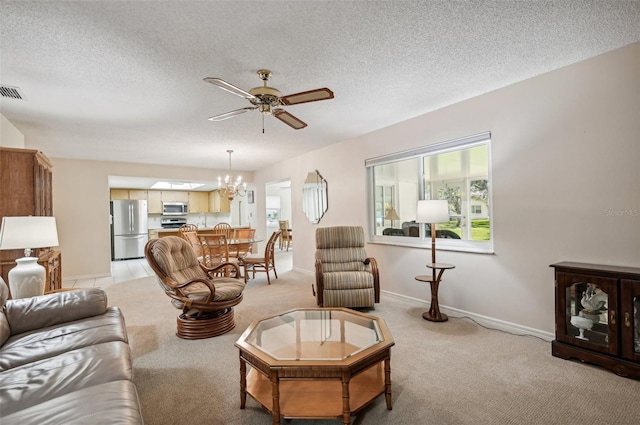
(391, 215)
(27, 279)
(433, 211)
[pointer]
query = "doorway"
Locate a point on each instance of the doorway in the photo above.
(278, 204)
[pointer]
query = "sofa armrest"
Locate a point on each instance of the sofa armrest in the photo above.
(26, 314)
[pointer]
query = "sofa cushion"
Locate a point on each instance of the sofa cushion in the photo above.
(111, 403)
(5, 330)
(25, 314)
(53, 340)
(37, 382)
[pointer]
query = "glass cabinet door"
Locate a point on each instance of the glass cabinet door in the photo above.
(589, 318)
(630, 310)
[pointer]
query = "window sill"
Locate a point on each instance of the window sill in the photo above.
(441, 244)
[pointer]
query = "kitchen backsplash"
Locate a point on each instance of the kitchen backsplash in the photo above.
(200, 220)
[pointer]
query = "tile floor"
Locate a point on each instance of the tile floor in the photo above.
(122, 271)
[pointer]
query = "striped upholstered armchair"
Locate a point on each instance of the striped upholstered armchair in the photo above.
(345, 276)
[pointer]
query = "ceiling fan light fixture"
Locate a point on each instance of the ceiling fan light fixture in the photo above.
(265, 109)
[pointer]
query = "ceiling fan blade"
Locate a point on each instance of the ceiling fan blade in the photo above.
(289, 119)
(229, 87)
(230, 114)
(307, 96)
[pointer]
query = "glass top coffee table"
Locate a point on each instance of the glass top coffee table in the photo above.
(316, 363)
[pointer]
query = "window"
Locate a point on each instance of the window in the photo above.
(457, 170)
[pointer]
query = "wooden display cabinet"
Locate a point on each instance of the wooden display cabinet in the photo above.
(26, 179)
(598, 316)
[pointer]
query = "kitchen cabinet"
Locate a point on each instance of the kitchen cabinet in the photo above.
(198, 202)
(120, 194)
(175, 196)
(138, 194)
(154, 202)
(26, 176)
(219, 203)
(598, 316)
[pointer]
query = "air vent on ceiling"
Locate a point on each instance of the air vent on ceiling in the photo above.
(11, 92)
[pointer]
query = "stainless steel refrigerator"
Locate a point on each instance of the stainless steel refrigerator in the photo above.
(129, 232)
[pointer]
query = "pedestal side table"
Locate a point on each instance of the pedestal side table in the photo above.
(434, 314)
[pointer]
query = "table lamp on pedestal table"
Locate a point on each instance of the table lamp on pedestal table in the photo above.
(27, 279)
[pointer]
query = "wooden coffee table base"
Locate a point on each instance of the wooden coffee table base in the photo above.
(300, 399)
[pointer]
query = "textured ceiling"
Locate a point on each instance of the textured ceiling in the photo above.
(122, 80)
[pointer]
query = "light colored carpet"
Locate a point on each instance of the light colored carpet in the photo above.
(442, 373)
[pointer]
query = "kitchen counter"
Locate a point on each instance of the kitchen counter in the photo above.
(174, 232)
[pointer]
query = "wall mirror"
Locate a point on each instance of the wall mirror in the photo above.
(314, 196)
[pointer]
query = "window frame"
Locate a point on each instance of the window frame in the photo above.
(424, 238)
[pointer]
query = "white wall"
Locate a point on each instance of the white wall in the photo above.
(81, 206)
(10, 136)
(565, 172)
(566, 187)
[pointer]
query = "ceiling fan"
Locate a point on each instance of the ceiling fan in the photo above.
(269, 100)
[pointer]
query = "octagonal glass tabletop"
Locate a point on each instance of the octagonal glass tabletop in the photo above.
(320, 334)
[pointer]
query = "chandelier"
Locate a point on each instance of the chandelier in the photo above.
(231, 188)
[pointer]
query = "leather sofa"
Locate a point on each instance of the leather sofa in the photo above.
(65, 359)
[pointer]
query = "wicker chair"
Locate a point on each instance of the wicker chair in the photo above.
(189, 232)
(345, 276)
(285, 236)
(206, 300)
(265, 263)
(243, 245)
(223, 229)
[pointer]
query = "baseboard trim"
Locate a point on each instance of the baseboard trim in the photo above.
(488, 322)
(86, 276)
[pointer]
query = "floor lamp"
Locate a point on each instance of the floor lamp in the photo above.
(432, 212)
(27, 279)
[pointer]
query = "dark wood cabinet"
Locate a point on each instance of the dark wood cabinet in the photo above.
(26, 189)
(598, 315)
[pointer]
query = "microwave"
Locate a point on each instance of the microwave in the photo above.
(175, 208)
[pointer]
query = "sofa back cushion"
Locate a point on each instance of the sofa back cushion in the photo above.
(26, 314)
(5, 330)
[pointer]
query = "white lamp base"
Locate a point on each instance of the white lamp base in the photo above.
(27, 278)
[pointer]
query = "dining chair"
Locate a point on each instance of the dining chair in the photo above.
(243, 243)
(216, 249)
(223, 228)
(264, 263)
(285, 236)
(189, 232)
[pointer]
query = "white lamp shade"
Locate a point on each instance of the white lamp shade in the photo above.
(28, 232)
(433, 211)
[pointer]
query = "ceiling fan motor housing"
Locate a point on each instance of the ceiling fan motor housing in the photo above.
(266, 98)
